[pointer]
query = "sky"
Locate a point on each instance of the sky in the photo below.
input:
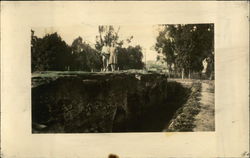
(143, 35)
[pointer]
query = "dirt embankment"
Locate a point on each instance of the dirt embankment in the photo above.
(197, 114)
(205, 120)
(80, 102)
(95, 102)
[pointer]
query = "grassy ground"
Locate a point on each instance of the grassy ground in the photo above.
(205, 120)
(197, 114)
(184, 117)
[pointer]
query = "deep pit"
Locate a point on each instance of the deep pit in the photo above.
(78, 102)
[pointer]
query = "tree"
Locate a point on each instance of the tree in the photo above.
(135, 56)
(49, 53)
(107, 36)
(186, 46)
(166, 47)
(84, 56)
(128, 58)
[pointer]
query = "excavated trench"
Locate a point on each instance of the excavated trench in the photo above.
(103, 102)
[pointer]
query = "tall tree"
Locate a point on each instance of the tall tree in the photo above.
(49, 53)
(128, 58)
(84, 56)
(165, 46)
(186, 46)
(107, 36)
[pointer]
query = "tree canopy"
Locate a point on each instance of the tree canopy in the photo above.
(128, 58)
(186, 46)
(85, 58)
(51, 53)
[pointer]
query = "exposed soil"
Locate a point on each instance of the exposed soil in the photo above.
(205, 120)
(65, 102)
(119, 102)
(156, 118)
(197, 114)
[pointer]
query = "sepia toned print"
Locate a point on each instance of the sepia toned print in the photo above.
(26, 88)
(149, 78)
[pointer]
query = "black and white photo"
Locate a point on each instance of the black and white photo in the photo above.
(123, 78)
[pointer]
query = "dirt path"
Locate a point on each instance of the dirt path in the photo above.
(205, 121)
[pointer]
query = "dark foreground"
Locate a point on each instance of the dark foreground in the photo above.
(80, 102)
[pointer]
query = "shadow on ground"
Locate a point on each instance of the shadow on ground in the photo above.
(103, 103)
(156, 118)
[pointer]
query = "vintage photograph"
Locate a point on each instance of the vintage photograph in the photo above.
(128, 78)
(137, 79)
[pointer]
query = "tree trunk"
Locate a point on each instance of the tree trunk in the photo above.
(169, 71)
(189, 74)
(211, 75)
(182, 74)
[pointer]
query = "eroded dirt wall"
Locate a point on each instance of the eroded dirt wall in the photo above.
(95, 102)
